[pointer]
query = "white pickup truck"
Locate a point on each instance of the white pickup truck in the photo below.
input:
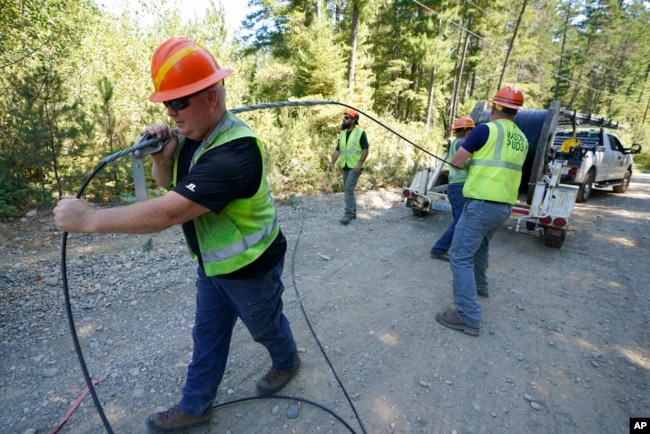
(594, 159)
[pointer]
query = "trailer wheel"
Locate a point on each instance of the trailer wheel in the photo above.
(553, 240)
(584, 192)
(626, 182)
(415, 208)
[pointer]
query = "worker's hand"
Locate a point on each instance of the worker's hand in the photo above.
(329, 168)
(73, 215)
(357, 168)
(162, 130)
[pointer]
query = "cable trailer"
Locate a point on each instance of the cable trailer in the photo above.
(544, 206)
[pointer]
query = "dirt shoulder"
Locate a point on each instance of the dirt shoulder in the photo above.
(564, 346)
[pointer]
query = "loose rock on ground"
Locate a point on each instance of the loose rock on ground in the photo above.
(563, 347)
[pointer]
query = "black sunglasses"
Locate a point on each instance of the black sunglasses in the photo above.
(180, 103)
(347, 118)
(183, 103)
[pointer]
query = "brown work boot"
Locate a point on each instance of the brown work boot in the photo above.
(450, 319)
(175, 420)
(275, 380)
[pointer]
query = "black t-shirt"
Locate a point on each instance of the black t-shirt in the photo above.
(228, 172)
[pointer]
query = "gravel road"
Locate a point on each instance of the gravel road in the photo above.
(564, 347)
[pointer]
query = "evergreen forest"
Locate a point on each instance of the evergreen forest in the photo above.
(76, 80)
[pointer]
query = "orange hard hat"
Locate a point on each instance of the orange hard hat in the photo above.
(352, 113)
(181, 67)
(511, 97)
(463, 123)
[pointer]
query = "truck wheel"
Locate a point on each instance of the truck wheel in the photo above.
(626, 182)
(584, 192)
(419, 212)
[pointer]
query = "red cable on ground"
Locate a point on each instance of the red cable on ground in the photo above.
(73, 407)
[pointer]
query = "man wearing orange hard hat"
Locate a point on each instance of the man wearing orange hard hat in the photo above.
(456, 180)
(498, 151)
(214, 169)
(352, 149)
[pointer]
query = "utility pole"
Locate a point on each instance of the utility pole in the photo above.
(645, 115)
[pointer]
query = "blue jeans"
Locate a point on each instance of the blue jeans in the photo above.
(469, 255)
(457, 202)
(350, 180)
(219, 302)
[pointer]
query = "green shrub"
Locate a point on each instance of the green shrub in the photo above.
(642, 162)
(12, 196)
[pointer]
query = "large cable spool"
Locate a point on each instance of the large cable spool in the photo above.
(539, 127)
(531, 122)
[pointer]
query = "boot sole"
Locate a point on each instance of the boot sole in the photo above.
(203, 428)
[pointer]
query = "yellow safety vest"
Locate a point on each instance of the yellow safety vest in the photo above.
(495, 170)
(350, 149)
(245, 228)
(456, 176)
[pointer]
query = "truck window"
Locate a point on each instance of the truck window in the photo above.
(614, 143)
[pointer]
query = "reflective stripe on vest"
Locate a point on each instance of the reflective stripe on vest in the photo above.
(495, 170)
(240, 247)
(245, 228)
(350, 149)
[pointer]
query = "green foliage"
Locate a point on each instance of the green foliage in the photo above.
(272, 80)
(318, 63)
(642, 161)
(12, 196)
(76, 79)
(50, 131)
(296, 151)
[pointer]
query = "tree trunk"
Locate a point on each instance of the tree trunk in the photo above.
(577, 87)
(432, 88)
(459, 76)
(647, 107)
(512, 44)
(353, 44)
(564, 32)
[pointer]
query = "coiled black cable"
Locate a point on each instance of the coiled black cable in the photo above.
(68, 309)
(84, 368)
(142, 144)
(322, 350)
